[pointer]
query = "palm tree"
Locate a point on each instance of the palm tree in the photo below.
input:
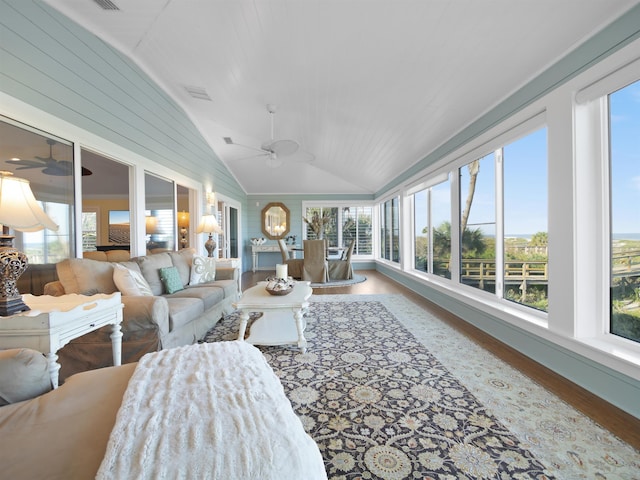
(474, 169)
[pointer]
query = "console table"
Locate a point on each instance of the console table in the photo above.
(255, 249)
(53, 322)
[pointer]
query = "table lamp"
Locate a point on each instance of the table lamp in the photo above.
(183, 224)
(151, 228)
(209, 224)
(20, 211)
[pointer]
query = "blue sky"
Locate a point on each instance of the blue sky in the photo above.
(525, 178)
(625, 154)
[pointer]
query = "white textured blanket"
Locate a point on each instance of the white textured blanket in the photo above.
(209, 411)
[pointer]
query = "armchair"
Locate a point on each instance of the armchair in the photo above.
(342, 269)
(315, 266)
(294, 265)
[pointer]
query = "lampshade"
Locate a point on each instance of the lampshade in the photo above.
(208, 224)
(183, 219)
(19, 209)
(151, 224)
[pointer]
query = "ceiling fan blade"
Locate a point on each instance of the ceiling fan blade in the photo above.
(282, 148)
(264, 154)
(229, 141)
(27, 163)
(304, 157)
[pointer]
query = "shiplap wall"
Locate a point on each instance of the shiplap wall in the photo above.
(52, 63)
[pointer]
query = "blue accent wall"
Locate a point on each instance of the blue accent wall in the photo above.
(52, 63)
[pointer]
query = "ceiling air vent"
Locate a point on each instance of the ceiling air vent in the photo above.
(198, 92)
(106, 4)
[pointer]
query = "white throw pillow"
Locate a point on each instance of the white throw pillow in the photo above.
(203, 269)
(130, 282)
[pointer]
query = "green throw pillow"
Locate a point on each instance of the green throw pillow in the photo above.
(171, 279)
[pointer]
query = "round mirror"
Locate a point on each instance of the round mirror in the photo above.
(275, 220)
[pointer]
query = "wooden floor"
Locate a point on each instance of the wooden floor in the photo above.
(620, 423)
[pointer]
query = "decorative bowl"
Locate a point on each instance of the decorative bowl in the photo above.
(279, 286)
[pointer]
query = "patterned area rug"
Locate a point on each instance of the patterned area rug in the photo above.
(388, 391)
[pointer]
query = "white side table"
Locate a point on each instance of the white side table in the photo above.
(53, 322)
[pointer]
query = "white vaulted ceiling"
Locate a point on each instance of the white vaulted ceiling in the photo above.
(368, 87)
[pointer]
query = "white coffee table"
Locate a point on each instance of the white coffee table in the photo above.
(282, 321)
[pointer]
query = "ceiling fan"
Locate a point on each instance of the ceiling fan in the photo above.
(49, 165)
(273, 150)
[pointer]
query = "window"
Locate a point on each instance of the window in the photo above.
(342, 224)
(624, 127)
(47, 163)
(478, 223)
(357, 224)
(526, 220)
(432, 229)
(89, 230)
(390, 230)
(506, 191)
(160, 212)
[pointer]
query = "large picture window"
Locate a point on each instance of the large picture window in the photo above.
(478, 224)
(432, 229)
(624, 128)
(525, 206)
(47, 163)
(341, 224)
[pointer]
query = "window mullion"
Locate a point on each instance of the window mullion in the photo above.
(499, 174)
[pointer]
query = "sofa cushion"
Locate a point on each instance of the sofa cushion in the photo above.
(24, 374)
(86, 277)
(150, 266)
(129, 281)
(182, 261)
(203, 269)
(183, 310)
(229, 287)
(171, 279)
(210, 294)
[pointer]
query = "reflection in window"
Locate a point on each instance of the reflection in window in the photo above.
(47, 162)
(89, 230)
(161, 226)
(624, 122)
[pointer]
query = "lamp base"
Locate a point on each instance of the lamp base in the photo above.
(13, 263)
(210, 245)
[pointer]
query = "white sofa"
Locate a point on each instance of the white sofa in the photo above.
(150, 322)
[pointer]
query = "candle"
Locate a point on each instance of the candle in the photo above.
(281, 271)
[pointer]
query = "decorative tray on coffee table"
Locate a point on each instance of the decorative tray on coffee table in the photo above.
(279, 286)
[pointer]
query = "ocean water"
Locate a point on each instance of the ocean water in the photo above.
(626, 236)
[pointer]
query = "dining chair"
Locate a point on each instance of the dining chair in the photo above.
(342, 269)
(294, 265)
(315, 266)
